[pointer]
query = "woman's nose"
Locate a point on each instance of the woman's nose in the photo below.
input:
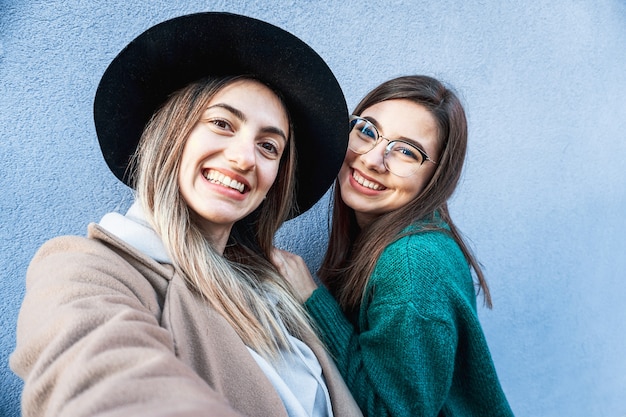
(375, 159)
(241, 152)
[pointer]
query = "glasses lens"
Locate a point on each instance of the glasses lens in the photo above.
(402, 158)
(363, 136)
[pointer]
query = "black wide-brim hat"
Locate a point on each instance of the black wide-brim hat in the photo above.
(176, 52)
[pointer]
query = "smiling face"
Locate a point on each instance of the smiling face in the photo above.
(366, 184)
(231, 157)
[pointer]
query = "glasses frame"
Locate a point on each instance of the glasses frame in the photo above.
(356, 119)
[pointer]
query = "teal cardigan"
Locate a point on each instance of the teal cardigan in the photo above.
(418, 349)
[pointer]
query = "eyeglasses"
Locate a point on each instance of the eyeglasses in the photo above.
(401, 158)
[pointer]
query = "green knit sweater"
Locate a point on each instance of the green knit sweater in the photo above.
(419, 349)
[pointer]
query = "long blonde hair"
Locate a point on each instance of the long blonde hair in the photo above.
(242, 285)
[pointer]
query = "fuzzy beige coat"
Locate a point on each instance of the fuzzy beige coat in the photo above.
(105, 330)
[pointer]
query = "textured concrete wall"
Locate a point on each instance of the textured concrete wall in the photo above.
(542, 200)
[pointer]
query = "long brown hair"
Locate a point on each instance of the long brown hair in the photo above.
(352, 253)
(242, 285)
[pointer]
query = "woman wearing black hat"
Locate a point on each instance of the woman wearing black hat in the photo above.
(175, 308)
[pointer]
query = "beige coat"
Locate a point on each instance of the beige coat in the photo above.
(106, 330)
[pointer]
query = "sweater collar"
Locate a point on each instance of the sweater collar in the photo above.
(134, 229)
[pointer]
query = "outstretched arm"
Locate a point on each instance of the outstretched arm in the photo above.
(89, 341)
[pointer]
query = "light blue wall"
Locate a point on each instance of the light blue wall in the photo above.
(542, 199)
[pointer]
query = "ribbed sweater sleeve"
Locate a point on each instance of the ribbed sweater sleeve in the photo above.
(333, 325)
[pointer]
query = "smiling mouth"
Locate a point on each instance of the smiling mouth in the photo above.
(217, 177)
(366, 183)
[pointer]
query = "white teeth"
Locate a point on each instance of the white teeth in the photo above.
(365, 183)
(219, 178)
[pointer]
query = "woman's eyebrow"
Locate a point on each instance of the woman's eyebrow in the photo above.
(239, 115)
(413, 142)
(275, 131)
(236, 112)
(372, 120)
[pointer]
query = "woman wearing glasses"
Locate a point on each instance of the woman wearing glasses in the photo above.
(398, 309)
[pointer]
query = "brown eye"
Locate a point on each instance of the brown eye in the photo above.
(221, 124)
(270, 149)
